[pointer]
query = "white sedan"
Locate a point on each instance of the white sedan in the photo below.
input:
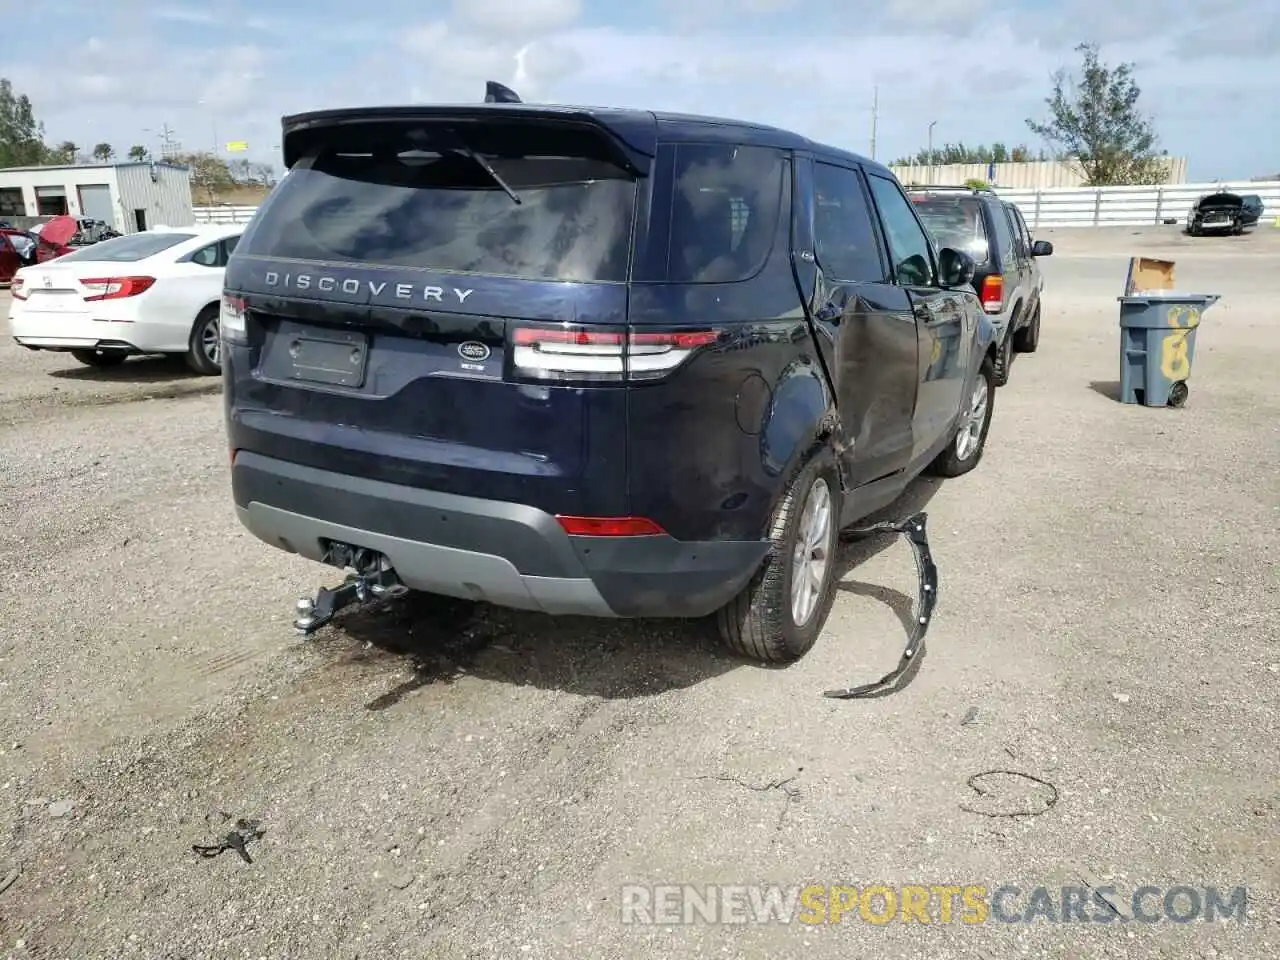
(153, 292)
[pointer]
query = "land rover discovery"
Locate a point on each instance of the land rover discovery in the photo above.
(585, 361)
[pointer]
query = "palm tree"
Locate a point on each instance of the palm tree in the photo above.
(66, 151)
(103, 152)
(137, 152)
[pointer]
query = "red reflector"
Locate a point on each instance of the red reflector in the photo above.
(527, 337)
(681, 341)
(609, 527)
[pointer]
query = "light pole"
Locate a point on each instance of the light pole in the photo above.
(932, 124)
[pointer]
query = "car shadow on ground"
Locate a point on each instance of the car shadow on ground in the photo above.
(446, 639)
(1106, 388)
(145, 369)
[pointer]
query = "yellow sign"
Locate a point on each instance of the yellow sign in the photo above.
(237, 146)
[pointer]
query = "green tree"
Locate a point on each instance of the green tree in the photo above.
(209, 174)
(65, 152)
(959, 153)
(103, 152)
(21, 137)
(1094, 121)
(138, 152)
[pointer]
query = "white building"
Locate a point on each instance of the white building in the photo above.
(129, 196)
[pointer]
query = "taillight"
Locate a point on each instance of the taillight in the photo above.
(15, 288)
(575, 354)
(116, 288)
(231, 323)
(609, 526)
(993, 294)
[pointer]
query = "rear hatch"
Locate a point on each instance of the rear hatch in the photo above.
(955, 222)
(438, 298)
(110, 270)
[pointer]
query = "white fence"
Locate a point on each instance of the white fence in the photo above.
(1050, 207)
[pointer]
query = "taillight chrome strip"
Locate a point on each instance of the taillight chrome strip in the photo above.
(580, 354)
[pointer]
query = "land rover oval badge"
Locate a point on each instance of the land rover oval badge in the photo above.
(473, 350)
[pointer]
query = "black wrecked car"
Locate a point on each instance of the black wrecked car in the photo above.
(591, 361)
(1223, 212)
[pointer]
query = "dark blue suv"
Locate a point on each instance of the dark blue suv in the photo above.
(587, 361)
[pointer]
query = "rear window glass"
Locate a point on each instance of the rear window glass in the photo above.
(955, 223)
(724, 211)
(428, 202)
(127, 249)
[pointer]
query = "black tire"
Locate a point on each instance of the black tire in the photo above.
(760, 622)
(204, 350)
(949, 463)
(1004, 359)
(1028, 338)
(99, 358)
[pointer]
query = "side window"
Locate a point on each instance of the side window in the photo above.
(845, 239)
(1004, 232)
(1023, 229)
(724, 211)
(207, 256)
(909, 246)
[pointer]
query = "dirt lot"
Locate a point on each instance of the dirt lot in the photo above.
(452, 783)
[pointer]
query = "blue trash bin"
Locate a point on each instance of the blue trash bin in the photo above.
(1158, 344)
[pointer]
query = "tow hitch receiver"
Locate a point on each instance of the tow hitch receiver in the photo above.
(369, 577)
(913, 528)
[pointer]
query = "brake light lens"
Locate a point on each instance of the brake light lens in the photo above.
(15, 288)
(993, 294)
(566, 353)
(116, 288)
(231, 323)
(609, 526)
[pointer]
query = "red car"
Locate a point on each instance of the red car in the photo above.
(10, 260)
(55, 238)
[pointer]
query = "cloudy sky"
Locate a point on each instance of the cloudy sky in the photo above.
(228, 69)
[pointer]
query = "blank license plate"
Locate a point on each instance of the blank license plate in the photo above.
(340, 359)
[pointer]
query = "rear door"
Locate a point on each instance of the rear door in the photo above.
(943, 346)
(9, 259)
(1035, 280)
(417, 318)
(868, 325)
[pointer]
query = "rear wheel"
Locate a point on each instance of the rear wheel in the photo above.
(965, 449)
(204, 348)
(779, 614)
(1028, 338)
(99, 358)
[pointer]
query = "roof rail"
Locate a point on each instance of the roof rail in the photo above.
(948, 188)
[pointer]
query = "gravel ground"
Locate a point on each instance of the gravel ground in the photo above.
(442, 781)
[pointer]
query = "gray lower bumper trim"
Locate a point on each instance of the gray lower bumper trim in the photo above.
(431, 568)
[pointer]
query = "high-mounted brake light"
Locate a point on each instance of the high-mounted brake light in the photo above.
(116, 288)
(577, 354)
(993, 293)
(15, 288)
(231, 323)
(609, 526)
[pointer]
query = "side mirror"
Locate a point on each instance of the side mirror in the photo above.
(1042, 248)
(955, 267)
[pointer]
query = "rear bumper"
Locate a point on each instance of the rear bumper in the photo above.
(507, 554)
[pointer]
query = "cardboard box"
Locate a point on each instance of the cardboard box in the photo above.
(1148, 276)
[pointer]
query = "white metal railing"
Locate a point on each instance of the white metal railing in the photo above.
(1048, 207)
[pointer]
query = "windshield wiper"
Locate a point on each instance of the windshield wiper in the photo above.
(488, 168)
